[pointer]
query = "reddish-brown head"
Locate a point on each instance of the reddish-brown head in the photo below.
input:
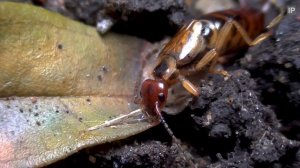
(154, 95)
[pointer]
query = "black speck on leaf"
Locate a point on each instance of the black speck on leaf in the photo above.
(60, 46)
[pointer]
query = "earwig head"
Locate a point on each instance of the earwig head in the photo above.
(154, 95)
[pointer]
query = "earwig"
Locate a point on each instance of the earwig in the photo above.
(197, 47)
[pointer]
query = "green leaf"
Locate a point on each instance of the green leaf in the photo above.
(58, 78)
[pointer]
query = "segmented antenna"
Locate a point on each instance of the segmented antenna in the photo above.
(175, 140)
(116, 121)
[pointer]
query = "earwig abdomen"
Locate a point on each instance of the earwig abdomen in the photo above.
(250, 19)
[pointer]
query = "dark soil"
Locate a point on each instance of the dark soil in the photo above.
(251, 119)
(275, 65)
(139, 18)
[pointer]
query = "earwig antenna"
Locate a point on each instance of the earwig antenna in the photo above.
(116, 121)
(176, 140)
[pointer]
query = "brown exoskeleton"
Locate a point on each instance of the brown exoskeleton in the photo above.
(198, 46)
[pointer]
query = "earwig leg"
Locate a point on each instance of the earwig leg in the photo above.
(223, 35)
(191, 88)
(212, 69)
(222, 72)
(207, 58)
(279, 17)
(246, 37)
(228, 25)
(210, 57)
(213, 65)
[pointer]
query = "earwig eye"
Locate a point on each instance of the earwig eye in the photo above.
(161, 97)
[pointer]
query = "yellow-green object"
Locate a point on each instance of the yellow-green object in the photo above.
(58, 78)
